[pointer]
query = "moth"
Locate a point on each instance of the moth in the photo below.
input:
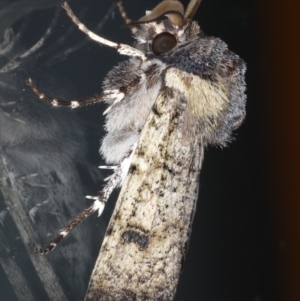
(177, 93)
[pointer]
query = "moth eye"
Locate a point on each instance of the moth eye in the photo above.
(163, 43)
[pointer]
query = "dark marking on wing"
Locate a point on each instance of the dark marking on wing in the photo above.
(133, 236)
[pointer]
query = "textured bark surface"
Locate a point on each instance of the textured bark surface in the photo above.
(29, 237)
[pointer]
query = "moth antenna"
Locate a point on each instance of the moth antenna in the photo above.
(123, 12)
(125, 17)
(122, 48)
(192, 8)
(173, 10)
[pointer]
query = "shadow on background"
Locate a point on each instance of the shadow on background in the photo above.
(279, 25)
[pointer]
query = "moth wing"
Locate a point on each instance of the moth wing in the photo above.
(147, 237)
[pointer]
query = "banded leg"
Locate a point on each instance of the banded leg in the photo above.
(122, 48)
(98, 205)
(66, 52)
(100, 200)
(107, 94)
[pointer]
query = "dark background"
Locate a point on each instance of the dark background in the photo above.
(245, 242)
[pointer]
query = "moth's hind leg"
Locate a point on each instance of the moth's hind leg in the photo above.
(98, 205)
(114, 181)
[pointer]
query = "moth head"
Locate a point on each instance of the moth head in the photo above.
(161, 29)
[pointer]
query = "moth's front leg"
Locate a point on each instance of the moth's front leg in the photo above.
(122, 48)
(55, 102)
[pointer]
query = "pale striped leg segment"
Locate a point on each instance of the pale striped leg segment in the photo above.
(66, 52)
(98, 205)
(122, 48)
(107, 94)
(100, 200)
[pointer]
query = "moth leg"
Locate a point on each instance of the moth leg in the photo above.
(125, 17)
(65, 231)
(108, 166)
(122, 48)
(100, 200)
(59, 45)
(107, 94)
(98, 205)
(66, 52)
